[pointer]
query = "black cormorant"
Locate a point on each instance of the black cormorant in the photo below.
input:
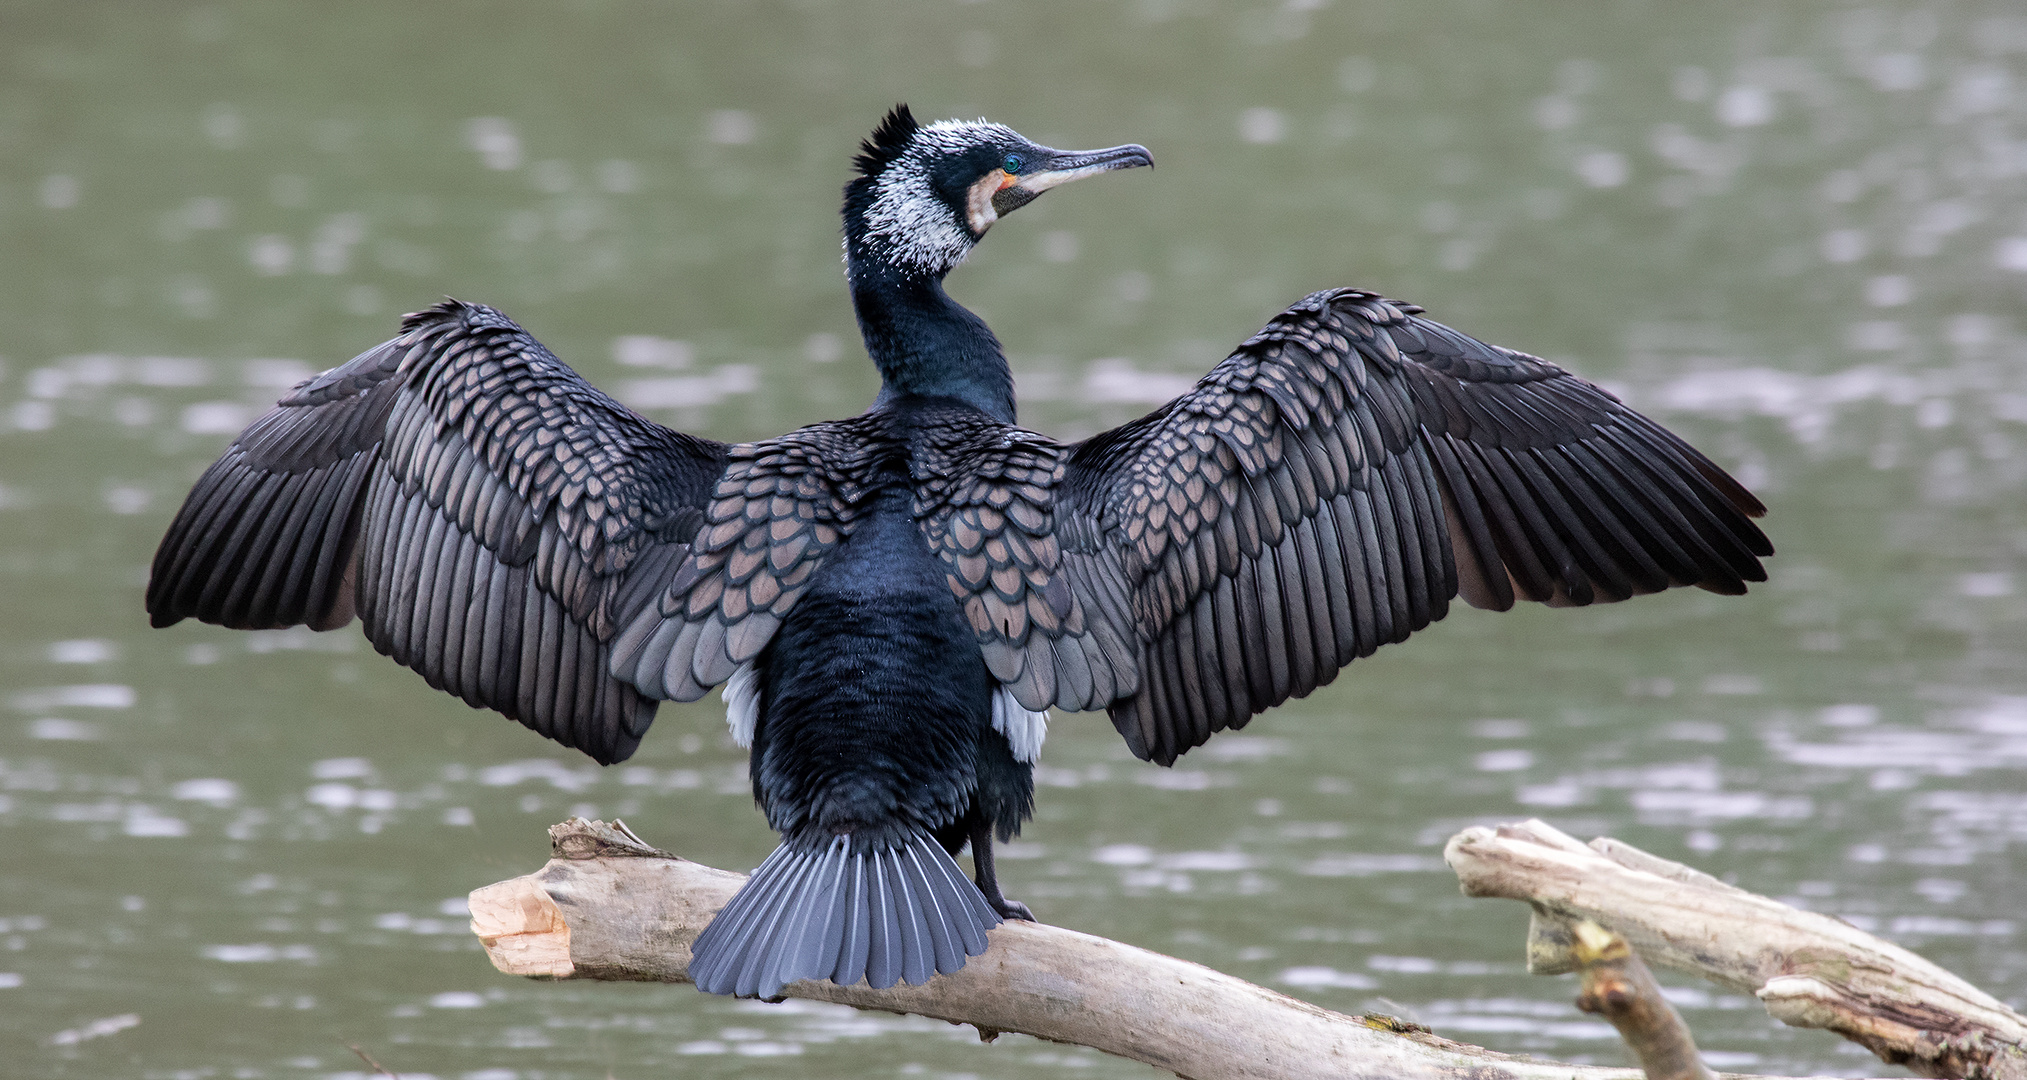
(894, 601)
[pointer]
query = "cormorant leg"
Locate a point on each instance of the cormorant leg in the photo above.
(988, 882)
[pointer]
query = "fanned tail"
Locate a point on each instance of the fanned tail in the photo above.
(844, 913)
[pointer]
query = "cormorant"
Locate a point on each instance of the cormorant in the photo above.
(894, 601)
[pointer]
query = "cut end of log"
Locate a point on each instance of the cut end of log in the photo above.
(522, 928)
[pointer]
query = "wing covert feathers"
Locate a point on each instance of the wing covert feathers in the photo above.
(486, 512)
(842, 912)
(985, 495)
(1345, 472)
(779, 508)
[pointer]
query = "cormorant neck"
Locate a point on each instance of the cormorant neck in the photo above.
(924, 342)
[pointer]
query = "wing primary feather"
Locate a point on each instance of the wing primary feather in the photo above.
(1655, 541)
(1335, 594)
(1274, 642)
(1732, 522)
(458, 609)
(1368, 582)
(1527, 555)
(290, 554)
(225, 583)
(1207, 666)
(252, 597)
(1612, 519)
(1481, 574)
(195, 533)
(1231, 649)
(1581, 559)
(438, 565)
(1723, 554)
(1316, 583)
(1389, 592)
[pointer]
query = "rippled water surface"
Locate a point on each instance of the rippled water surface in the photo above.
(1797, 235)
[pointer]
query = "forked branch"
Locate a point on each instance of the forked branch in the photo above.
(1811, 970)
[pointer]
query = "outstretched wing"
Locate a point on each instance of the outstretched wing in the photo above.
(491, 517)
(1334, 482)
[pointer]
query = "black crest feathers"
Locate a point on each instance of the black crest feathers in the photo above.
(886, 142)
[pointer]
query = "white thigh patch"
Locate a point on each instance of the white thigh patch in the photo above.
(742, 704)
(1024, 729)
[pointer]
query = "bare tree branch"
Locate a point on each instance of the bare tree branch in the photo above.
(1810, 970)
(1617, 986)
(610, 907)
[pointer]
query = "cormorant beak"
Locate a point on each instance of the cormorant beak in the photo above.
(1058, 167)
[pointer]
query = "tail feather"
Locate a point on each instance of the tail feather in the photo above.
(951, 881)
(943, 937)
(772, 929)
(902, 913)
(737, 925)
(855, 926)
(883, 953)
(918, 957)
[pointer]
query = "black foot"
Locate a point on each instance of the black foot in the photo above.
(988, 881)
(1012, 909)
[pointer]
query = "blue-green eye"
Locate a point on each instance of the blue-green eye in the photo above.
(1012, 164)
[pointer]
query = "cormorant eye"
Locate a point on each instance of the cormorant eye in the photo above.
(1012, 164)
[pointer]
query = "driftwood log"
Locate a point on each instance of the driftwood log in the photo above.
(609, 906)
(1810, 970)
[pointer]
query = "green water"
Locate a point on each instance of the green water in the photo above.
(1796, 235)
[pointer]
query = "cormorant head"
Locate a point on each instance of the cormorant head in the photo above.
(926, 194)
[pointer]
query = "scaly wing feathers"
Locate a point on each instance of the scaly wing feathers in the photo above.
(491, 516)
(1334, 482)
(985, 494)
(780, 507)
